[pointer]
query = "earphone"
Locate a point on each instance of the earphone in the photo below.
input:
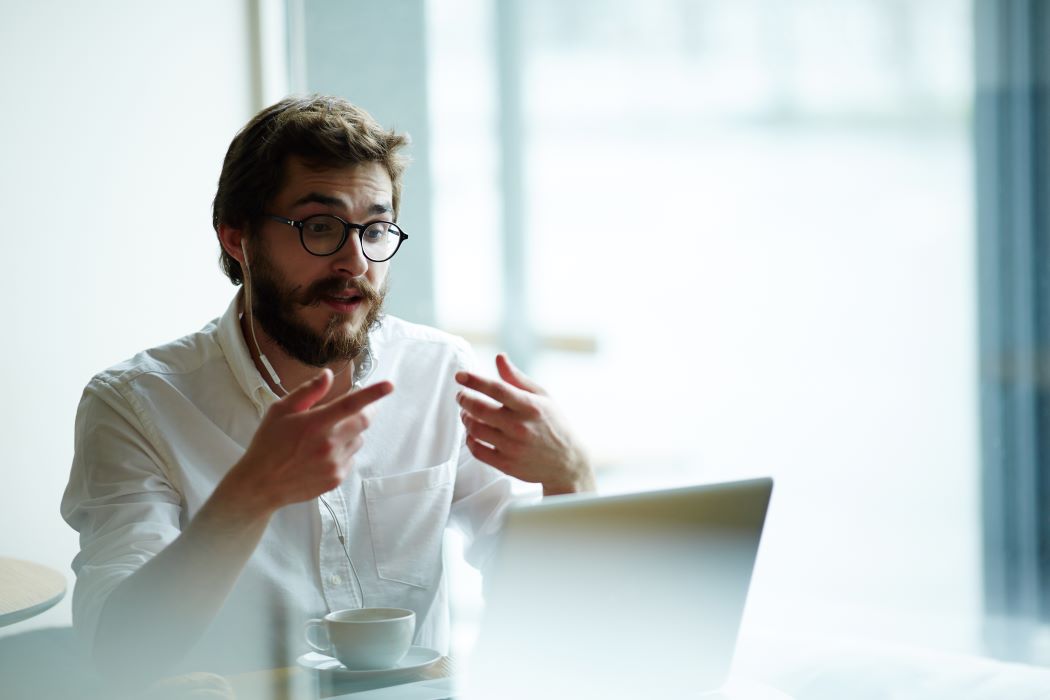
(251, 322)
(277, 381)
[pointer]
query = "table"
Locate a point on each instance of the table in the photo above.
(27, 589)
(295, 682)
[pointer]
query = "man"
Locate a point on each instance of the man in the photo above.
(303, 453)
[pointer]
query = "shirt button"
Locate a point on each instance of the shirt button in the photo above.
(335, 579)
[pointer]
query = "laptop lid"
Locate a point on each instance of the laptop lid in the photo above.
(619, 596)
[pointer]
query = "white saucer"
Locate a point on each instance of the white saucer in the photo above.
(416, 659)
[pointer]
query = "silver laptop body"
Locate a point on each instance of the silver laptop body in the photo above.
(633, 595)
(626, 596)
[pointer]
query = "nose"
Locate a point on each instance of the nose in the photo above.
(350, 259)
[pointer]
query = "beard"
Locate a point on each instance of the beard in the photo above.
(275, 305)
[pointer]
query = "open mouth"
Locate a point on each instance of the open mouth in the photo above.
(343, 303)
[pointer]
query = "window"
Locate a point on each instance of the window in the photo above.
(755, 223)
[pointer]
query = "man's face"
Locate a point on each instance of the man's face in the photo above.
(319, 309)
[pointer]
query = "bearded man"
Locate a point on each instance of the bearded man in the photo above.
(303, 453)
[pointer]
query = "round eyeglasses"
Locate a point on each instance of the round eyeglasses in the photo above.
(325, 234)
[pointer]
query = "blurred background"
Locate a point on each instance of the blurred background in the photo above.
(731, 237)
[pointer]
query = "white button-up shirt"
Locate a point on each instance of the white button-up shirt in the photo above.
(156, 434)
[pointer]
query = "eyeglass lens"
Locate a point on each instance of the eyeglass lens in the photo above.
(322, 235)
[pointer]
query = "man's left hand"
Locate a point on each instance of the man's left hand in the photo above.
(515, 427)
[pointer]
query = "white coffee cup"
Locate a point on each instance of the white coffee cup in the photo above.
(364, 638)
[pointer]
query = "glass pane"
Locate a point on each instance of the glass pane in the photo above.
(812, 314)
(815, 318)
(465, 166)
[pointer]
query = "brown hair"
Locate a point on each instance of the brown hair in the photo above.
(323, 130)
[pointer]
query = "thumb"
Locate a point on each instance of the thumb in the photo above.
(511, 374)
(308, 393)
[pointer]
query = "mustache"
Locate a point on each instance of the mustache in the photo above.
(339, 286)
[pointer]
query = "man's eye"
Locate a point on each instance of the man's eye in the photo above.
(377, 231)
(319, 228)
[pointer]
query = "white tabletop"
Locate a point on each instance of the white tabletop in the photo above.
(746, 689)
(27, 589)
(442, 688)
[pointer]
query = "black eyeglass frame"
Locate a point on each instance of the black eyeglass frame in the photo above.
(346, 234)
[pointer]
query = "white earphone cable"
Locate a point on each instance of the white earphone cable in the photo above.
(284, 392)
(342, 541)
(251, 323)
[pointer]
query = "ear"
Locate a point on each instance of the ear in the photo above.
(230, 239)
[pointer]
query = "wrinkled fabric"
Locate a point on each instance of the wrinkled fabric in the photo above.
(155, 435)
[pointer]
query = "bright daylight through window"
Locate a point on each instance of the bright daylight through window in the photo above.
(755, 220)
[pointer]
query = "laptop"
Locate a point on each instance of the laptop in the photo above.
(618, 596)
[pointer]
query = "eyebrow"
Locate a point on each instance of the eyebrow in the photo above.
(328, 200)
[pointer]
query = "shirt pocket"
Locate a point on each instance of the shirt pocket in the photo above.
(407, 514)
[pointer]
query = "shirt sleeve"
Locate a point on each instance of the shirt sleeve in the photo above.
(483, 493)
(118, 498)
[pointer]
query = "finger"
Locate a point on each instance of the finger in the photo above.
(353, 402)
(353, 445)
(489, 455)
(513, 429)
(306, 394)
(346, 456)
(351, 426)
(335, 393)
(506, 395)
(511, 374)
(498, 416)
(484, 431)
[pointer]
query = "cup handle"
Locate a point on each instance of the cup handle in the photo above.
(311, 626)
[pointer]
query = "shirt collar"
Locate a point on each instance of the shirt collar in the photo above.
(235, 348)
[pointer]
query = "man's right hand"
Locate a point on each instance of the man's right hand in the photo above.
(302, 448)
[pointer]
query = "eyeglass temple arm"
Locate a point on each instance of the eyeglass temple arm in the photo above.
(283, 220)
